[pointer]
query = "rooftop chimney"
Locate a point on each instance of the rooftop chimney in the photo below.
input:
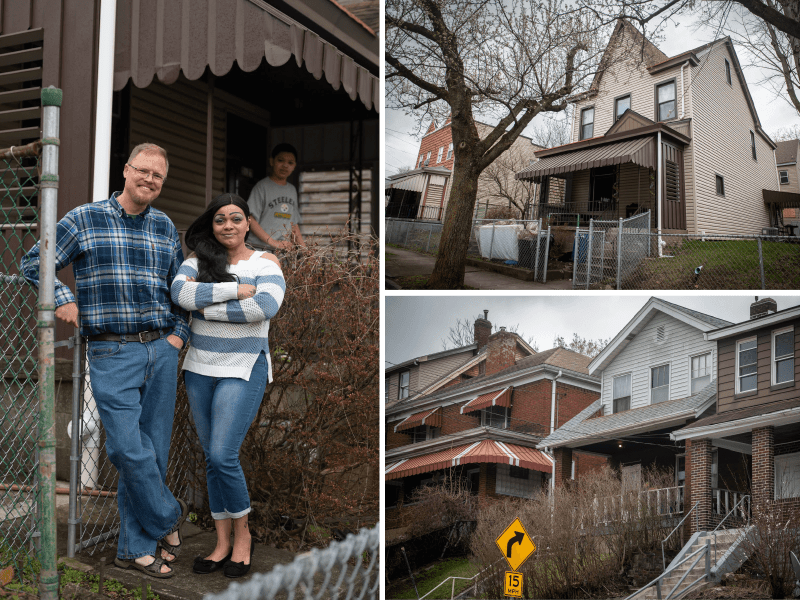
(483, 329)
(762, 308)
(501, 351)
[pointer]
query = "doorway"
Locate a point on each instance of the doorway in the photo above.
(246, 160)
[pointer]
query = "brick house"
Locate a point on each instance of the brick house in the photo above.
(678, 136)
(789, 178)
(482, 421)
(758, 411)
(423, 192)
(657, 375)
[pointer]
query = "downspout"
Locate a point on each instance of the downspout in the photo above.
(553, 403)
(658, 197)
(683, 96)
(104, 99)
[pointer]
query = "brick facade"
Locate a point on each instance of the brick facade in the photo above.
(453, 421)
(587, 463)
(563, 471)
(433, 140)
(700, 459)
(394, 438)
(763, 467)
(501, 352)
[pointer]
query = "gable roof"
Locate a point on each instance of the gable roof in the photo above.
(786, 152)
(585, 428)
(696, 319)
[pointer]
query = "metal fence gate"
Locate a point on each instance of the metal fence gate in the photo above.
(27, 408)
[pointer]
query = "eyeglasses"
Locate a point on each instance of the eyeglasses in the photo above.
(144, 173)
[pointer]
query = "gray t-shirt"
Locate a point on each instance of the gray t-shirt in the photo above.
(275, 207)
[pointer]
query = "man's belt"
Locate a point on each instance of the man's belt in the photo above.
(142, 336)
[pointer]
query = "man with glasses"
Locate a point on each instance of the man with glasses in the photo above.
(125, 255)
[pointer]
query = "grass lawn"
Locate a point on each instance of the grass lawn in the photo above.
(725, 265)
(433, 576)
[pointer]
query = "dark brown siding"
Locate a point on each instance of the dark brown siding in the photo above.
(726, 394)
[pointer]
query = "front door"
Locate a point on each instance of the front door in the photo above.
(673, 203)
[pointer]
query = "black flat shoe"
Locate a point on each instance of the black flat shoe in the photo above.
(203, 566)
(239, 569)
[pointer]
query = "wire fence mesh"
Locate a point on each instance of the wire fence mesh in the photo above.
(20, 492)
(346, 569)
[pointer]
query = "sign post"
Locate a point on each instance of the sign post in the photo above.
(516, 546)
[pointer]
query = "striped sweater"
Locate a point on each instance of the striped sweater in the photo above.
(229, 334)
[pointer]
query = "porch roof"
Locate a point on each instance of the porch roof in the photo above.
(485, 451)
(180, 38)
(782, 199)
(585, 428)
(639, 151)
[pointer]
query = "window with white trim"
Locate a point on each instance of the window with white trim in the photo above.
(620, 106)
(405, 380)
(427, 159)
(516, 481)
(787, 476)
(495, 416)
(422, 433)
(587, 123)
(700, 372)
(421, 161)
(450, 151)
(659, 384)
(783, 356)
(728, 71)
(665, 101)
(439, 156)
(746, 365)
(753, 144)
(784, 177)
(622, 393)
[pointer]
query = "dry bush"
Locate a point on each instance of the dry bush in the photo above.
(503, 212)
(585, 536)
(441, 505)
(311, 456)
(775, 532)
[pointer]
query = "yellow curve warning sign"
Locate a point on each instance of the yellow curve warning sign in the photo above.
(515, 544)
(513, 585)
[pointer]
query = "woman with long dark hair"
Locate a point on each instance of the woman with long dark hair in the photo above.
(233, 292)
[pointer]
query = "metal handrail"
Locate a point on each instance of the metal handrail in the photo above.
(723, 520)
(453, 577)
(657, 581)
(664, 541)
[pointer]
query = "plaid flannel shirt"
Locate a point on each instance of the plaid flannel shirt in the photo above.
(123, 268)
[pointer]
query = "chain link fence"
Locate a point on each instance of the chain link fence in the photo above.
(20, 490)
(629, 256)
(517, 243)
(346, 569)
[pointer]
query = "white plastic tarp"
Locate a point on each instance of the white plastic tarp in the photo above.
(499, 241)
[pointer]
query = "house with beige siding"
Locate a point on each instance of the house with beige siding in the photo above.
(480, 422)
(423, 192)
(788, 177)
(678, 136)
(758, 411)
(657, 374)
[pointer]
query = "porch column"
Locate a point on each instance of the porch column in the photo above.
(563, 468)
(763, 486)
(698, 456)
(487, 481)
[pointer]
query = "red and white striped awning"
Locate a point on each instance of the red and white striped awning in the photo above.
(496, 398)
(426, 417)
(486, 451)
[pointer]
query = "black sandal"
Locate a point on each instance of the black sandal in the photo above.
(153, 569)
(176, 549)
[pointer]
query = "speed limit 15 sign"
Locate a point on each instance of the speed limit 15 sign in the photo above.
(513, 585)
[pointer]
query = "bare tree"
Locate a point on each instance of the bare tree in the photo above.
(553, 131)
(463, 334)
(784, 134)
(501, 185)
(582, 345)
(508, 59)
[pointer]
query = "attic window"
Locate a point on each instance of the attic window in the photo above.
(661, 334)
(728, 71)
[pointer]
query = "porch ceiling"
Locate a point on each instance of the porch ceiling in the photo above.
(640, 151)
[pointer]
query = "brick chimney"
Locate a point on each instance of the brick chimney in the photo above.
(762, 308)
(483, 329)
(501, 351)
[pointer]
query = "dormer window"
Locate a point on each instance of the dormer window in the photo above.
(496, 416)
(405, 380)
(587, 123)
(621, 104)
(665, 101)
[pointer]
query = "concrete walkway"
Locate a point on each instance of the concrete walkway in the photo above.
(407, 263)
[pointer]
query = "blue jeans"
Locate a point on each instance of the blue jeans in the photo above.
(223, 409)
(134, 385)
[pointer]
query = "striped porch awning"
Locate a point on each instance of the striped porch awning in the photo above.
(486, 451)
(496, 398)
(426, 417)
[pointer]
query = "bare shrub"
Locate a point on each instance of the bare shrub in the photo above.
(440, 505)
(585, 532)
(311, 456)
(503, 212)
(775, 532)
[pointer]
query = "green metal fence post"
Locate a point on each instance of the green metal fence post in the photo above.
(48, 577)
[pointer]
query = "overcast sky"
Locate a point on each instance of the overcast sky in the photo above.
(775, 113)
(416, 325)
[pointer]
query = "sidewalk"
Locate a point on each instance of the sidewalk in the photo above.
(406, 263)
